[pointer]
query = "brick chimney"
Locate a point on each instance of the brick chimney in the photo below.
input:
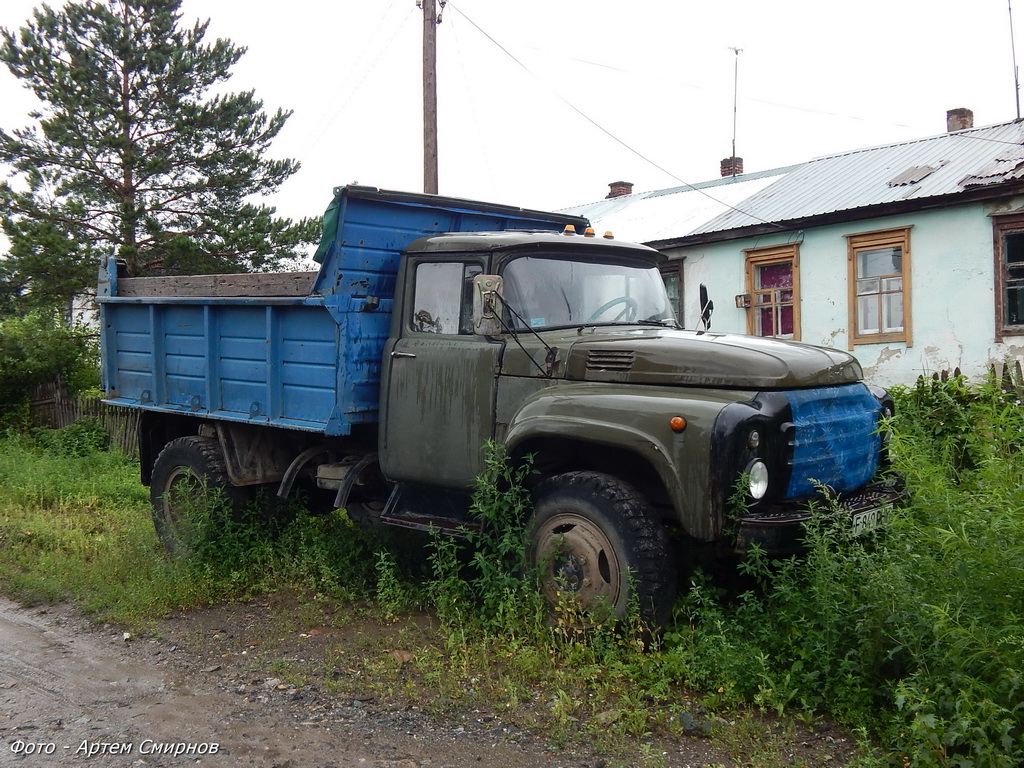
(620, 189)
(959, 119)
(732, 166)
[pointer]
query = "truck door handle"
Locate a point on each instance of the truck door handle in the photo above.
(402, 354)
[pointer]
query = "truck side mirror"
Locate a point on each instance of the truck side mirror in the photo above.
(487, 291)
(706, 307)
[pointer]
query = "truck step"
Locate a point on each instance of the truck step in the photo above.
(448, 526)
(428, 509)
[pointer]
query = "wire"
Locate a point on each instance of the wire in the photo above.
(355, 84)
(604, 130)
(477, 124)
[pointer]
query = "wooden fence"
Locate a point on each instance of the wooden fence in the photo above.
(1009, 375)
(52, 406)
(1010, 378)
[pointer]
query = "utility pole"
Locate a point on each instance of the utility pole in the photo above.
(430, 21)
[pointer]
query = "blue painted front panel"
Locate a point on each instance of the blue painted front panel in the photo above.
(836, 438)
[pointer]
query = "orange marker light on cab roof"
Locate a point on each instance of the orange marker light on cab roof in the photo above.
(588, 232)
(569, 230)
(678, 423)
(608, 235)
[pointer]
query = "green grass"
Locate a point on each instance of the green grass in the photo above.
(75, 524)
(912, 637)
(915, 635)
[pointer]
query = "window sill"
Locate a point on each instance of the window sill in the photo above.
(1009, 330)
(882, 338)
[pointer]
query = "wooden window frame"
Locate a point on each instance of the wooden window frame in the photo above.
(868, 241)
(776, 254)
(675, 267)
(1002, 225)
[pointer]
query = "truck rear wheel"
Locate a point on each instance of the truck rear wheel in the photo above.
(187, 471)
(594, 540)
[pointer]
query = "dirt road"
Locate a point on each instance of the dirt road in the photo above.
(75, 694)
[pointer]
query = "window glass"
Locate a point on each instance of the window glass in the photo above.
(547, 292)
(774, 295)
(1013, 247)
(880, 309)
(672, 282)
(443, 298)
(878, 287)
(878, 262)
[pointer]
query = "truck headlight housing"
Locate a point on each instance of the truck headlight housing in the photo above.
(757, 479)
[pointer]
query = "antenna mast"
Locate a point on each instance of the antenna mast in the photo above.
(1013, 50)
(735, 92)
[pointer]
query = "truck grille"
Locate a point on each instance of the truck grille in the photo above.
(610, 360)
(834, 438)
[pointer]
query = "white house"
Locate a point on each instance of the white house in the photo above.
(910, 255)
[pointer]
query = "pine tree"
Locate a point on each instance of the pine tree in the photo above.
(137, 152)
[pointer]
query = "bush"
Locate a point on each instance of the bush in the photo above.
(483, 580)
(38, 348)
(83, 437)
(914, 633)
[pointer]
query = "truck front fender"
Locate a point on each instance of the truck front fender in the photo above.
(638, 422)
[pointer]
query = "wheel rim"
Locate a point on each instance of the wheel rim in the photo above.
(577, 560)
(182, 492)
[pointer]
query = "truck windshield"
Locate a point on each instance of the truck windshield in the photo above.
(550, 292)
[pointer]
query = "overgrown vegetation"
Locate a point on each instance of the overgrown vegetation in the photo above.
(912, 637)
(36, 349)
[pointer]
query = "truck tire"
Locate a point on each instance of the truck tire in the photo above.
(186, 468)
(593, 539)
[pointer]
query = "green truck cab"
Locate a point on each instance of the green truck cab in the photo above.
(381, 379)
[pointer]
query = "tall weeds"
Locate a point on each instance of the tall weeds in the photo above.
(912, 636)
(915, 634)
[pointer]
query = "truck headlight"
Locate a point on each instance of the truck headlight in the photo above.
(757, 479)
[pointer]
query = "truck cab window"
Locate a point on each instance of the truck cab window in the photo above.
(549, 292)
(443, 298)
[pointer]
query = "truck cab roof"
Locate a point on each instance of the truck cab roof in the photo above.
(467, 242)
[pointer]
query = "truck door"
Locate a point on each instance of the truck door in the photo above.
(439, 380)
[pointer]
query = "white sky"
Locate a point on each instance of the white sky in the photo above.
(815, 78)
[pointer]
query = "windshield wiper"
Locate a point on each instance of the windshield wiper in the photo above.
(552, 352)
(665, 323)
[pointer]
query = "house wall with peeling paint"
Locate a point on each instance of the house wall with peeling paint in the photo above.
(952, 290)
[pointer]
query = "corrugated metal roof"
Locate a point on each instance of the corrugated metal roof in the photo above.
(936, 166)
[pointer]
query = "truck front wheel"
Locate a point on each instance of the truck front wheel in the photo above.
(594, 541)
(186, 472)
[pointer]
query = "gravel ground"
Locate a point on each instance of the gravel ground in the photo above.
(199, 691)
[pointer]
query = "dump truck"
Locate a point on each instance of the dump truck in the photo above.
(435, 326)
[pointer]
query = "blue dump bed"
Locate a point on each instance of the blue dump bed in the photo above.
(295, 350)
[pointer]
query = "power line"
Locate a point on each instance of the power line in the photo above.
(604, 130)
(355, 83)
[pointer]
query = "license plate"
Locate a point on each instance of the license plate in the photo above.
(869, 520)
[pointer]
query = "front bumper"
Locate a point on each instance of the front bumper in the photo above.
(782, 530)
